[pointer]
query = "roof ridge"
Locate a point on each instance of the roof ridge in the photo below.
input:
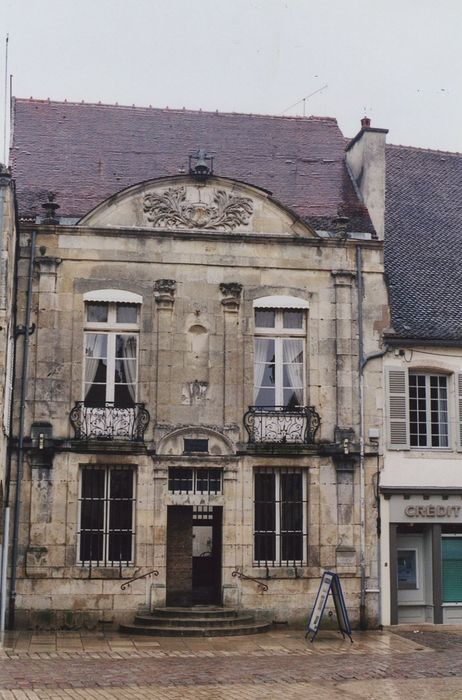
(175, 110)
(423, 150)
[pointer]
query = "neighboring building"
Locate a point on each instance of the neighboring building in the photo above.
(194, 397)
(421, 483)
(9, 330)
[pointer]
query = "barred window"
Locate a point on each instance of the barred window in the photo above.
(106, 532)
(193, 481)
(280, 534)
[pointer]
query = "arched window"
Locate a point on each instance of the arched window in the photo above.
(279, 354)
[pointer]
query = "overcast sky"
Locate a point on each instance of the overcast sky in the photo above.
(399, 61)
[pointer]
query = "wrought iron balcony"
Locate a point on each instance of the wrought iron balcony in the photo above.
(109, 422)
(279, 424)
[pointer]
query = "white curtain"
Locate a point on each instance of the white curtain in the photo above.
(261, 345)
(95, 344)
(293, 360)
(129, 352)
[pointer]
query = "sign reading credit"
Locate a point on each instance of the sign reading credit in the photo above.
(432, 511)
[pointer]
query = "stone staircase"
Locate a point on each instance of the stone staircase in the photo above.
(197, 621)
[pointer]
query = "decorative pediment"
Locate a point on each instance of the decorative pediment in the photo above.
(175, 208)
(183, 204)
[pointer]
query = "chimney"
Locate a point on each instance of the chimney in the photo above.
(365, 156)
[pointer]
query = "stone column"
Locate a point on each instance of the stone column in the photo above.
(231, 535)
(164, 295)
(52, 357)
(231, 292)
(159, 544)
(343, 280)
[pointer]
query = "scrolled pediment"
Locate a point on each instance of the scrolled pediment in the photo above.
(182, 204)
(217, 209)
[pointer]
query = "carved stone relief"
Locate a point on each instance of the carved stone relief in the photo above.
(172, 209)
(195, 393)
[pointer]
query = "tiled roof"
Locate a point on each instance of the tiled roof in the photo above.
(85, 153)
(423, 242)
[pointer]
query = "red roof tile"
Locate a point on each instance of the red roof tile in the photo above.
(85, 153)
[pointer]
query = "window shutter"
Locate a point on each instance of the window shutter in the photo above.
(398, 408)
(459, 411)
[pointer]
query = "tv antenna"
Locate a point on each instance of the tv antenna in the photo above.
(304, 99)
(5, 98)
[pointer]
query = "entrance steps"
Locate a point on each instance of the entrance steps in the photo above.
(196, 621)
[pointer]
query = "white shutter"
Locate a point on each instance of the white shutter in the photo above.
(459, 411)
(397, 408)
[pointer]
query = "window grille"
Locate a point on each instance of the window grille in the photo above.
(195, 480)
(106, 533)
(202, 514)
(280, 527)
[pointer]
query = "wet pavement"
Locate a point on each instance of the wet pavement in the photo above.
(407, 663)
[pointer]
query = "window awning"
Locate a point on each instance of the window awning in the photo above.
(280, 302)
(113, 295)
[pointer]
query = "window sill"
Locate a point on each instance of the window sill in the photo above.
(104, 572)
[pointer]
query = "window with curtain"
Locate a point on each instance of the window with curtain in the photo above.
(111, 354)
(279, 357)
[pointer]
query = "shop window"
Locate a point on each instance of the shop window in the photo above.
(407, 569)
(280, 530)
(106, 529)
(451, 549)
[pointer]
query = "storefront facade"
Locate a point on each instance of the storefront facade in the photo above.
(424, 541)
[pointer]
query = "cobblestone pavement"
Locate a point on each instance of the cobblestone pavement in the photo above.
(406, 664)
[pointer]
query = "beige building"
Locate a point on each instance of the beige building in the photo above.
(204, 387)
(421, 482)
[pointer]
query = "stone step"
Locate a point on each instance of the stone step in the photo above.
(195, 611)
(186, 621)
(179, 631)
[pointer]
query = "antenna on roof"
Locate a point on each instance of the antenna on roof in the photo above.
(304, 99)
(5, 98)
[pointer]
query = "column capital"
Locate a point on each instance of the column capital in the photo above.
(164, 293)
(231, 295)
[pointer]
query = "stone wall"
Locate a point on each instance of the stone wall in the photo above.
(196, 380)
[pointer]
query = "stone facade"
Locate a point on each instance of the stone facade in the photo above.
(199, 256)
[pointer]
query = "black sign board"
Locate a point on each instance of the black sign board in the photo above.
(330, 583)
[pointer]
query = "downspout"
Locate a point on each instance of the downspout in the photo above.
(5, 181)
(13, 335)
(27, 330)
(362, 362)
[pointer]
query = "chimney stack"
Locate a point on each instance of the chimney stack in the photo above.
(365, 156)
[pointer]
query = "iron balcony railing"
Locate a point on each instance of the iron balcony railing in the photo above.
(109, 422)
(279, 424)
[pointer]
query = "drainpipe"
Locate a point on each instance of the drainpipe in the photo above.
(5, 182)
(27, 330)
(362, 362)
